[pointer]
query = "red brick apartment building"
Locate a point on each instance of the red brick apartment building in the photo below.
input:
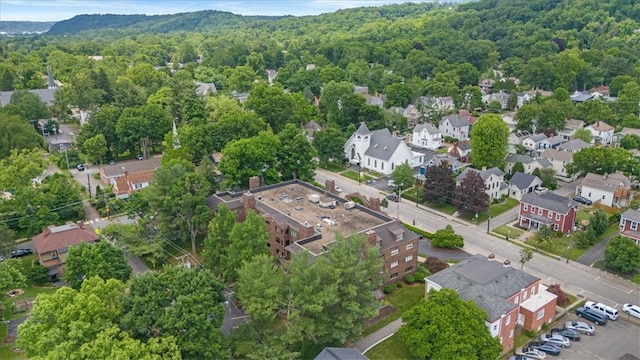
(558, 212)
(509, 296)
(629, 221)
(303, 217)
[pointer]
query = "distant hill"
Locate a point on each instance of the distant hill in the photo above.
(25, 27)
(193, 21)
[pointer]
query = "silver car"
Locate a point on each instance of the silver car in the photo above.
(633, 310)
(580, 327)
(556, 339)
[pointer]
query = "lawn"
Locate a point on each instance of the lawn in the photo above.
(334, 167)
(29, 293)
(391, 349)
(494, 210)
(558, 247)
(402, 299)
(505, 230)
(353, 175)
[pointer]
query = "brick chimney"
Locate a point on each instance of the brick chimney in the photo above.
(492, 257)
(507, 263)
(372, 238)
(374, 203)
(330, 185)
(254, 182)
(248, 200)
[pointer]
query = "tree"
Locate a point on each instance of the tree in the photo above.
(402, 176)
(631, 141)
(548, 177)
(74, 324)
(622, 254)
(470, 197)
(563, 299)
(16, 133)
(235, 125)
(192, 311)
(295, 155)
(142, 128)
(544, 234)
(527, 117)
(216, 244)
(599, 222)
(585, 238)
(397, 95)
(276, 107)
(102, 259)
(260, 287)
(601, 160)
(10, 275)
(489, 142)
(439, 184)
(582, 134)
(462, 333)
(30, 104)
(7, 243)
(517, 167)
(96, 148)
(135, 240)
(246, 240)
(526, 254)
(434, 264)
(329, 143)
(447, 238)
(241, 78)
(256, 156)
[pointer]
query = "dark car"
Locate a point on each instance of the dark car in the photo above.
(568, 333)
(548, 348)
(21, 252)
(592, 315)
(582, 200)
(80, 167)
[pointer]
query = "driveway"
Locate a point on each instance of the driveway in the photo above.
(595, 253)
(13, 327)
(425, 248)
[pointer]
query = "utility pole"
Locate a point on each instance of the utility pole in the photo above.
(488, 223)
(89, 180)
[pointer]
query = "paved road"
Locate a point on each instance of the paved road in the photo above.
(365, 344)
(573, 277)
(425, 248)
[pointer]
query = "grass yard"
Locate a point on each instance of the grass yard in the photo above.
(445, 208)
(558, 247)
(391, 349)
(336, 168)
(505, 230)
(29, 293)
(402, 299)
(506, 205)
(353, 175)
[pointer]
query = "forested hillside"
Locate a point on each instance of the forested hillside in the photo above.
(20, 27)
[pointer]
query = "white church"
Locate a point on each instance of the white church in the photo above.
(379, 151)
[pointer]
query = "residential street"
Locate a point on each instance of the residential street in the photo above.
(573, 277)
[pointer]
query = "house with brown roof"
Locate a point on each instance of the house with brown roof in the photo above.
(131, 176)
(52, 245)
(608, 189)
(601, 132)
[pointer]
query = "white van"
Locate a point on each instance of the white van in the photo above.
(608, 311)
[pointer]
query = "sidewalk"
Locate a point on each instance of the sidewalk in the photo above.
(366, 343)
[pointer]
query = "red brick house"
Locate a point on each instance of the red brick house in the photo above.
(629, 221)
(302, 217)
(52, 245)
(509, 296)
(558, 212)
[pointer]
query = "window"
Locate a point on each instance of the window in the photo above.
(557, 216)
(540, 211)
(602, 197)
(409, 246)
(394, 252)
(533, 291)
(555, 227)
(511, 333)
(137, 186)
(408, 269)
(634, 225)
(550, 214)
(526, 207)
(394, 264)
(382, 165)
(375, 163)
(533, 209)
(293, 234)
(394, 275)
(508, 320)
(540, 314)
(408, 258)
(516, 300)
(369, 161)
(589, 195)
(495, 327)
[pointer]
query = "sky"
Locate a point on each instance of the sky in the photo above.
(56, 10)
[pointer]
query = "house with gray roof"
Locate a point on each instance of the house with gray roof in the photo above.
(493, 179)
(608, 189)
(521, 184)
(426, 136)
(559, 161)
(629, 221)
(570, 128)
(501, 97)
(624, 132)
(551, 142)
(528, 162)
(557, 212)
(573, 146)
(509, 296)
(455, 126)
(310, 128)
(517, 137)
(532, 142)
(580, 97)
(379, 150)
(205, 89)
(336, 353)
(45, 95)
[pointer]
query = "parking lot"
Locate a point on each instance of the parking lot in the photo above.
(612, 341)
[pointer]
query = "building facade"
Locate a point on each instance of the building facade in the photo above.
(629, 221)
(555, 211)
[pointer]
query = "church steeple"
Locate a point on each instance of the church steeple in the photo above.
(176, 139)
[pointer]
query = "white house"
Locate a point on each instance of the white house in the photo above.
(624, 132)
(518, 137)
(455, 126)
(570, 128)
(551, 142)
(559, 161)
(529, 163)
(379, 151)
(532, 142)
(493, 179)
(601, 132)
(573, 146)
(521, 184)
(427, 136)
(444, 103)
(501, 97)
(608, 189)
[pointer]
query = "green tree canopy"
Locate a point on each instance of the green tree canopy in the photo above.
(10, 275)
(489, 141)
(447, 327)
(256, 156)
(295, 155)
(402, 176)
(102, 259)
(329, 143)
(622, 254)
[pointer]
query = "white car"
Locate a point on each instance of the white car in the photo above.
(338, 188)
(556, 339)
(531, 353)
(580, 327)
(633, 310)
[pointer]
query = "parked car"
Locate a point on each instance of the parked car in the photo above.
(338, 188)
(531, 353)
(21, 252)
(112, 162)
(519, 357)
(580, 327)
(547, 348)
(608, 311)
(80, 167)
(582, 200)
(568, 333)
(140, 157)
(595, 316)
(633, 310)
(556, 339)
(393, 197)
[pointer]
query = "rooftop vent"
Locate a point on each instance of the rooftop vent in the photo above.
(507, 263)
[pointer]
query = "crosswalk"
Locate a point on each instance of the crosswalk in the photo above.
(93, 221)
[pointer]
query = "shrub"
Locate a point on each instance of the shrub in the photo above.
(420, 274)
(622, 254)
(447, 238)
(434, 264)
(563, 299)
(398, 284)
(545, 326)
(388, 289)
(530, 333)
(409, 279)
(38, 274)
